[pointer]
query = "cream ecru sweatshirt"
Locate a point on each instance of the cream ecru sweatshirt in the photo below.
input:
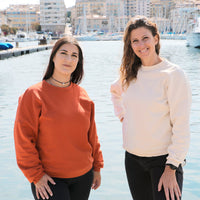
(156, 109)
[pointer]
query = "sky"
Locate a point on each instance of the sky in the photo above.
(5, 3)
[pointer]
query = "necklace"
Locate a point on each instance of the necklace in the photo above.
(63, 83)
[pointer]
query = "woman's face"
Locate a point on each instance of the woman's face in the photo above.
(66, 60)
(143, 43)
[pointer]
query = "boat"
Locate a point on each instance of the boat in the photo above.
(193, 38)
(21, 37)
(87, 37)
(5, 46)
(3, 39)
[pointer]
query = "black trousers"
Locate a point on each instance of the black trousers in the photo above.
(143, 174)
(70, 188)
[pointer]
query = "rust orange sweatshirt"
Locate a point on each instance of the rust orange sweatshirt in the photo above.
(55, 132)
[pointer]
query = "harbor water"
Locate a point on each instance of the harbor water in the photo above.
(101, 62)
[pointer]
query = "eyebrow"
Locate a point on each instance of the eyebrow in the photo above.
(141, 36)
(67, 51)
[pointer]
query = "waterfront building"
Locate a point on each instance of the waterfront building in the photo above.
(143, 7)
(160, 13)
(73, 17)
(3, 18)
(93, 23)
(129, 8)
(52, 16)
(89, 16)
(124, 10)
(184, 16)
(22, 16)
(162, 8)
(90, 7)
(113, 15)
(136, 7)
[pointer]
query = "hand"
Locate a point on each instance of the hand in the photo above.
(121, 120)
(169, 183)
(42, 187)
(96, 180)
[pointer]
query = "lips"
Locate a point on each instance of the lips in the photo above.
(143, 50)
(66, 65)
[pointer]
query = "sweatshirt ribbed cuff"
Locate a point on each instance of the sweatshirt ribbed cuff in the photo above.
(173, 162)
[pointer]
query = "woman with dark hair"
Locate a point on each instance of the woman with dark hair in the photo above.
(152, 99)
(56, 142)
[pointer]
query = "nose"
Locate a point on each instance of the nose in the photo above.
(141, 43)
(68, 57)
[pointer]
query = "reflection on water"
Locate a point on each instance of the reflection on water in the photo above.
(102, 61)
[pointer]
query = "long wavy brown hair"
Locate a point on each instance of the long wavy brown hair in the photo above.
(130, 61)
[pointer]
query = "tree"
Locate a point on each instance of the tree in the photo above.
(68, 16)
(8, 30)
(5, 29)
(36, 26)
(13, 30)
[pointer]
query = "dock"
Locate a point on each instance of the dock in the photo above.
(4, 54)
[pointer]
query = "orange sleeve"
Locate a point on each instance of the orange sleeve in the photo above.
(93, 139)
(25, 136)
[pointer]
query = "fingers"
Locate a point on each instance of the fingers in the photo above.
(96, 180)
(43, 192)
(37, 193)
(51, 180)
(96, 184)
(177, 192)
(42, 188)
(166, 193)
(172, 190)
(47, 188)
(170, 186)
(160, 185)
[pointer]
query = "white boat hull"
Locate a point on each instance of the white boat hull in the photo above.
(193, 39)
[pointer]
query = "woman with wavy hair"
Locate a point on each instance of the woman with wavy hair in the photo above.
(56, 142)
(152, 99)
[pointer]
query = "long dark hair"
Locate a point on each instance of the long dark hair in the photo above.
(130, 61)
(77, 75)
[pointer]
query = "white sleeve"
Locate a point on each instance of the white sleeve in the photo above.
(179, 99)
(116, 97)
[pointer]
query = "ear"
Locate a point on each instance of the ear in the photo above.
(156, 39)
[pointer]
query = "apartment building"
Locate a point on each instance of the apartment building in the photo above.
(90, 7)
(113, 15)
(143, 7)
(161, 8)
(183, 15)
(22, 16)
(114, 8)
(89, 15)
(92, 23)
(52, 15)
(3, 18)
(130, 7)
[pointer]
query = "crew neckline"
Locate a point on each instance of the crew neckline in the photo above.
(153, 67)
(57, 87)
